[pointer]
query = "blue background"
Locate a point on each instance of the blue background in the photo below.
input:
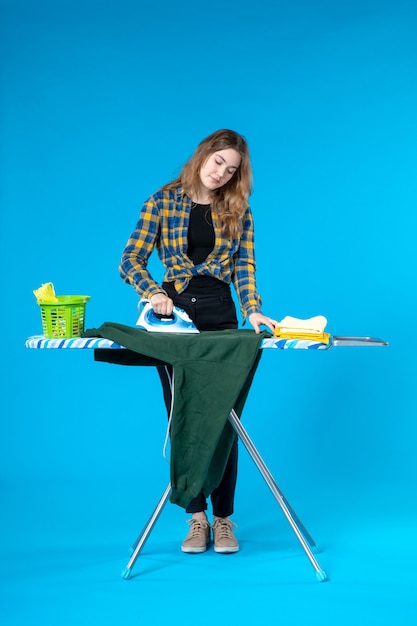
(102, 102)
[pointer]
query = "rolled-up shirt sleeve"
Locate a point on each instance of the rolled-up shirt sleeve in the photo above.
(141, 243)
(243, 276)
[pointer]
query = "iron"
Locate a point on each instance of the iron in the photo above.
(178, 322)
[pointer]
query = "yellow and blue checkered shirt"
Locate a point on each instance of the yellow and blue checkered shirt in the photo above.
(163, 224)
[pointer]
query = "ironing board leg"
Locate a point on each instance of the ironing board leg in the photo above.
(298, 528)
(147, 529)
(293, 520)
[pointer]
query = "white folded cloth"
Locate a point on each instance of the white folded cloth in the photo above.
(312, 326)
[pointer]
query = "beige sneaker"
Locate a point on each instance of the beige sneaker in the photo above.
(224, 540)
(198, 536)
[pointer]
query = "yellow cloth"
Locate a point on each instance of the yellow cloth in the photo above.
(321, 337)
(295, 328)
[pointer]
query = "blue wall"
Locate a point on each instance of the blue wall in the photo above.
(102, 102)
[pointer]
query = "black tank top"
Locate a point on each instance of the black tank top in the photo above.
(201, 239)
(200, 233)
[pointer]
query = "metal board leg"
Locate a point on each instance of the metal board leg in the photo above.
(147, 529)
(298, 528)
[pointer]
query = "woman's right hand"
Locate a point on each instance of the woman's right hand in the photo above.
(161, 304)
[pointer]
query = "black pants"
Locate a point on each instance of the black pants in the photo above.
(209, 312)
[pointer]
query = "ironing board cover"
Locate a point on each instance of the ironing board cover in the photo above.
(39, 341)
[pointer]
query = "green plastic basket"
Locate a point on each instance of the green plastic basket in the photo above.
(65, 318)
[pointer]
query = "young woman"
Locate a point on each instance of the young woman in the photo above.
(201, 225)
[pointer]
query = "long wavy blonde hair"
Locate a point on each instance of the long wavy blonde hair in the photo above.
(230, 200)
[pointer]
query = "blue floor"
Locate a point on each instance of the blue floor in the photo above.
(64, 548)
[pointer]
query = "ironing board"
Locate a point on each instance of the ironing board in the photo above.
(307, 542)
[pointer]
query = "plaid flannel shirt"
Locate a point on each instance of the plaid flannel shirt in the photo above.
(163, 224)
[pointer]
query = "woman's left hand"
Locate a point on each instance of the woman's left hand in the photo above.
(259, 319)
